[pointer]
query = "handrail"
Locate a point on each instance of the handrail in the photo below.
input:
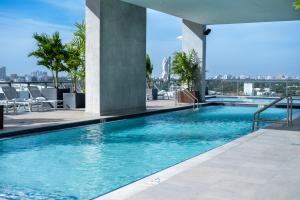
(191, 97)
(270, 105)
(288, 121)
(155, 86)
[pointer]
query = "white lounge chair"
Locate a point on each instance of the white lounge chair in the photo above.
(11, 97)
(163, 94)
(36, 95)
(8, 105)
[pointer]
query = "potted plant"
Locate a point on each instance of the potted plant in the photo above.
(51, 53)
(151, 92)
(75, 66)
(187, 67)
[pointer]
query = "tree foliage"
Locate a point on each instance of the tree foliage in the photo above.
(57, 57)
(186, 66)
(50, 53)
(149, 69)
(297, 4)
(73, 63)
(79, 43)
(75, 59)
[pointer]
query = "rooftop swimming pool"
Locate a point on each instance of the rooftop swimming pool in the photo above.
(247, 99)
(88, 161)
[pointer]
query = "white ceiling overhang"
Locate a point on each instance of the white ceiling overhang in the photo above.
(225, 11)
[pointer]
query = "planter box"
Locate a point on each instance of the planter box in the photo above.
(74, 100)
(54, 94)
(152, 94)
(183, 98)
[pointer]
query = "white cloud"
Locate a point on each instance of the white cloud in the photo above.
(16, 41)
(9, 21)
(34, 22)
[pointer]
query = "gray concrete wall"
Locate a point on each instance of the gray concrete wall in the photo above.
(116, 49)
(193, 38)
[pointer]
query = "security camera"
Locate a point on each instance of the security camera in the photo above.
(206, 31)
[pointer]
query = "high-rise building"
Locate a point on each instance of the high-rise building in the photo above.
(13, 77)
(39, 75)
(244, 77)
(2, 73)
(218, 76)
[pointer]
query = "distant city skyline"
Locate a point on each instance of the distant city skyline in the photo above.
(40, 75)
(257, 77)
(251, 49)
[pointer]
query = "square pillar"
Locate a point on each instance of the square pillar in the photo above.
(115, 57)
(194, 38)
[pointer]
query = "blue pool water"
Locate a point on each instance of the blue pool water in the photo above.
(247, 100)
(85, 162)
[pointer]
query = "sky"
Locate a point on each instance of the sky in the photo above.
(249, 49)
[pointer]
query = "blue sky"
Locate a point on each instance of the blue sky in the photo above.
(251, 49)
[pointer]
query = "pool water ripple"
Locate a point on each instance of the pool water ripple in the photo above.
(85, 162)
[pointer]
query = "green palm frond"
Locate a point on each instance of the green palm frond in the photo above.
(50, 53)
(297, 4)
(75, 59)
(186, 66)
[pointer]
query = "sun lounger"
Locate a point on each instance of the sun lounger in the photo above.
(36, 95)
(163, 94)
(11, 97)
(8, 105)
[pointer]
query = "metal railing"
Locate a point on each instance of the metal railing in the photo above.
(289, 118)
(22, 86)
(42, 83)
(266, 88)
(189, 95)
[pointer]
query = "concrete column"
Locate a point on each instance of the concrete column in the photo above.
(115, 57)
(193, 38)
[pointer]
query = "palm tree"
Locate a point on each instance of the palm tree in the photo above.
(75, 66)
(75, 59)
(149, 69)
(79, 43)
(50, 53)
(73, 63)
(186, 66)
(297, 4)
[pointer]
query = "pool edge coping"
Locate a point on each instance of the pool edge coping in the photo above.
(44, 129)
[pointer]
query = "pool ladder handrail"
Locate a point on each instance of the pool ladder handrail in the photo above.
(288, 121)
(190, 96)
